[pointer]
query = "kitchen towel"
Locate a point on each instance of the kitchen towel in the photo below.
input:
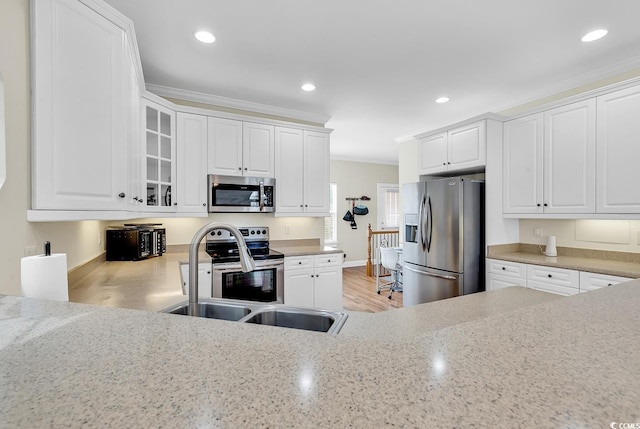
(45, 277)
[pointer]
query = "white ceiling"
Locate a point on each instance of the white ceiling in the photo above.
(379, 65)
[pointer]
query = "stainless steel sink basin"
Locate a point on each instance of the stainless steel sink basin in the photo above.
(309, 319)
(213, 310)
(299, 318)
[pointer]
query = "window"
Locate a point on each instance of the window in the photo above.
(388, 206)
(331, 222)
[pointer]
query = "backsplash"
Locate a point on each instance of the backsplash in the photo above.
(616, 235)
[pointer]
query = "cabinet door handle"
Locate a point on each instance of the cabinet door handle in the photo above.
(121, 195)
(609, 284)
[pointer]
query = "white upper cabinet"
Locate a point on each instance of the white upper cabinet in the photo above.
(467, 147)
(289, 170)
(159, 163)
(569, 158)
(316, 173)
(432, 154)
(302, 172)
(80, 127)
(549, 161)
(522, 155)
(191, 144)
(258, 150)
(239, 148)
(224, 147)
(618, 152)
(458, 149)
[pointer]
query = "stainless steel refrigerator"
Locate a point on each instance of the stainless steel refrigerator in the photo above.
(443, 251)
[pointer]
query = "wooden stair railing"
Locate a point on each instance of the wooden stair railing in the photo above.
(374, 238)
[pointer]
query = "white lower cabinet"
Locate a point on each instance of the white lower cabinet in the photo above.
(313, 281)
(502, 274)
(554, 280)
(205, 279)
(593, 281)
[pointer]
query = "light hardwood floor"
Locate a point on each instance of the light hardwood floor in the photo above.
(359, 293)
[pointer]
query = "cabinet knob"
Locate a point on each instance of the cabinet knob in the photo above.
(204, 204)
(448, 162)
(545, 204)
(245, 169)
(609, 284)
(121, 195)
(444, 163)
(301, 205)
(503, 268)
(175, 204)
(538, 204)
(299, 262)
(328, 260)
(240, 168)
(549, 275)
(306, 205)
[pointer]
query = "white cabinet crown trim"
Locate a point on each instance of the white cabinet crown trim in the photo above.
(217, 100)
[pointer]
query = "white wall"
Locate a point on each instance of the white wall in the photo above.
(355, 179)
(616, 235)
(180, 230)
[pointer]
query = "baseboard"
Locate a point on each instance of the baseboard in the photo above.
(81, 271)
(350, 264)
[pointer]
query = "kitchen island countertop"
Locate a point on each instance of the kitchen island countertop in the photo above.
(561, 362)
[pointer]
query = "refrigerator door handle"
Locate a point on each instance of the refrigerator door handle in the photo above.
(426, 273)
(421, 223)
(430, 223)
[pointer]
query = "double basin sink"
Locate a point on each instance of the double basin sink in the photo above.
(265, 314)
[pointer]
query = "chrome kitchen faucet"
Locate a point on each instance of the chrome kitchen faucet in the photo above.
(246, 261)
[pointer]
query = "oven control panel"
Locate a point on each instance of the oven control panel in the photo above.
(253, 233)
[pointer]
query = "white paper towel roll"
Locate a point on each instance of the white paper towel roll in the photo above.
(45, 277)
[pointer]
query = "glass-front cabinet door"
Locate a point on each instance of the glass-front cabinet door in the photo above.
(159, 163)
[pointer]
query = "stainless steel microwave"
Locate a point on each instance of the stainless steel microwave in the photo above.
(237, 194)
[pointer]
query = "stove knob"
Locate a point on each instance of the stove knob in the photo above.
(219, 232)
(258, 232)
(264, 231)
(252, 232)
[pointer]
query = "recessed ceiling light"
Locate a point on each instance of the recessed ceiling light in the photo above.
(442, 100)
(594, 35)
(205, 37)
(308, 87)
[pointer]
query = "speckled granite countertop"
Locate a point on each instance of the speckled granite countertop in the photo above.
(621, 264)
(563, 362)
(302, 247)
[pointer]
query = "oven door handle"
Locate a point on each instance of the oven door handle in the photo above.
(238, 267)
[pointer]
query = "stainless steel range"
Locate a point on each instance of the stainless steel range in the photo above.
(264, 284)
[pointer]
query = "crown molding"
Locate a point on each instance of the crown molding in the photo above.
(216, 100)
(575, 83)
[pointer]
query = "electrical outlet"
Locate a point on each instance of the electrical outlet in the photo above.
(30, 250)
(537, 231)
(287, 230)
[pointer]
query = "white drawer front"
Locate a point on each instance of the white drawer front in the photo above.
(495, 282)
(329, 259)
(553, 288)
(593, 281)
(298, 262)
(506, 268)
(555, 276)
